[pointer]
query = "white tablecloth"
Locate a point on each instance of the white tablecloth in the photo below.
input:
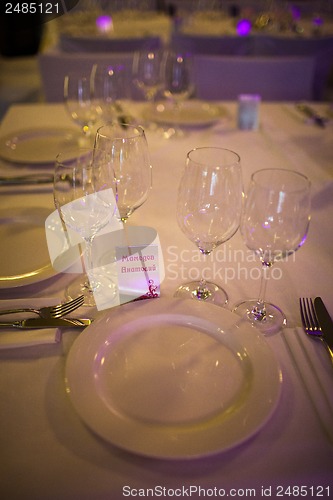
(47, 452)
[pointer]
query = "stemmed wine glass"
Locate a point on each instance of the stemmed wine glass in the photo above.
(81, 104)
(209, 209)
(178, 84)
(84, 197)
(106, 83)
(129, 162)
(274, 225)
(147, 72)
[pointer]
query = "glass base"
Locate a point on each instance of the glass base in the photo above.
(207, 292)
(272, 322)
(81, 286)
(104, 290)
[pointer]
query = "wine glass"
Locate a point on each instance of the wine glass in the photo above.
(107, 82)
(208, 209)
(84, 197)
(178, 84)
(147, 72)
(80, 103)
(274, 225)
(129, 161)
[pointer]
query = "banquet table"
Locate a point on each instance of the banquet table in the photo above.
(47, 451)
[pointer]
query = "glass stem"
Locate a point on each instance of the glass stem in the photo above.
(88, 260)
(259, 310)
(202, 291)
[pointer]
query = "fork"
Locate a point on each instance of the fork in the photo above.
(311, 324)
(57, 311)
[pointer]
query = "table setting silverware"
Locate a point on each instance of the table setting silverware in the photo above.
(26, 179)
(317, 322)
(33, 323)
(317, 119)
(49, 312)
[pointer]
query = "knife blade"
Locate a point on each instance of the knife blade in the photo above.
(325, 321)
(26, 179)
(315, 117)
(31, 323)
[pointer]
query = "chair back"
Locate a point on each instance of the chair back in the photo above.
(275, 79)
(101, 44)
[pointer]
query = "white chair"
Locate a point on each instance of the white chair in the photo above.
(55, 65)
(275, 79)
(212, 45)
(102, 44)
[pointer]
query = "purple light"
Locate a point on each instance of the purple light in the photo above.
(317, 21)
(104, 23)
(244, 27)
(296, 13)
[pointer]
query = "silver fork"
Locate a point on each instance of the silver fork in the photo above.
(311, 324)
(57, 311)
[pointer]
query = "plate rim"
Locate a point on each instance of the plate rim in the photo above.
(36, 130)
(85, 343)
(158, 117)
(29, 277)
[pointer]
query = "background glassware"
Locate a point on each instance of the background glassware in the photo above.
(107, 83)
(129, 161)
(209, 209)
(83, 196)
(178, 84)
(147, 72)
(80, 103)
(274, 225)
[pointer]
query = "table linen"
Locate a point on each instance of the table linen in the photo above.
(48, 452)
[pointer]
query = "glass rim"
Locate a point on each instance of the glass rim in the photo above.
(271, 170)
(125, 126)
(236, 161)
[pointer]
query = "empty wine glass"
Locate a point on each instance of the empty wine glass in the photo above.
(107, 83)
(129, 161)
(84, 197)
(147, 72)
(178, 84)
(208, 209)
(80, 103)
(274, 225)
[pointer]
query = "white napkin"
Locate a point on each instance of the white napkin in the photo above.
(11, 338)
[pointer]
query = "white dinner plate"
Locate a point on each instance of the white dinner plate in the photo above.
(37, 145)
(192, 113)
(173, 378)
(24, 256)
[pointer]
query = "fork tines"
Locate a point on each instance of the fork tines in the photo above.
(309, 317)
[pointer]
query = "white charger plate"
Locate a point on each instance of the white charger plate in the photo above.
(24, 256)
(192, 113)
(173, 378)
(38, 145)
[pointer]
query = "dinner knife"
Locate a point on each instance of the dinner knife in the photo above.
(316, 117)
(26, 179)
(31, 323)
(325, 321)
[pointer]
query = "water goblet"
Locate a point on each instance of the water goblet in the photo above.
(107, 82)
(129, 162)
(80, 103)
(84, 197)
(147, 72)
(209, 209)
(178, 84)
(274, 225)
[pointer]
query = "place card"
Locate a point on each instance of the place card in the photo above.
(138, 272)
